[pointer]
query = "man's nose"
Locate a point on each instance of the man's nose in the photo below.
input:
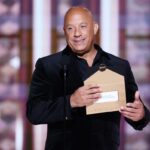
(77, 32)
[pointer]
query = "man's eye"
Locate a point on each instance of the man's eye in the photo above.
(69, 28)
(83, 26)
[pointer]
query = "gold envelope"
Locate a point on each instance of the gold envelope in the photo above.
(113, 88)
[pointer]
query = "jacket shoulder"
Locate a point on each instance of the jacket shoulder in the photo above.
(118, 64)
(51, 58)
(117, 60)
(49, 64)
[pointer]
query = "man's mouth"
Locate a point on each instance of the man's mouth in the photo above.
(79, 41)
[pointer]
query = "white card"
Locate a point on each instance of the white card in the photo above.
(108, 97)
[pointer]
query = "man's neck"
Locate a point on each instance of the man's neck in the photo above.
(89, 57)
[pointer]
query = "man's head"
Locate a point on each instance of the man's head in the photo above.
(80, 29)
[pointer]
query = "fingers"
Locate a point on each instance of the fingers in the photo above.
(92, 94)
(128, 112)
(134, 111)
(92, 89)
(85, 95)
(134, 105)
(133, 114)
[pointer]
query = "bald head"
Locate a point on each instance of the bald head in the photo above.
(78, 10)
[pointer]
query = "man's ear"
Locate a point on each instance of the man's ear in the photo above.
(64, 30)
(96, 27)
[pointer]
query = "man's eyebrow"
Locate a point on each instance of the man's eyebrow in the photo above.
(84, 23)
(73, 24)
(67, 25)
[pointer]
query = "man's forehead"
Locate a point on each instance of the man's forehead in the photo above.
(78, 10)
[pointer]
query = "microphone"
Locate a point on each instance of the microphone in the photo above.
(65, 72)
(65, 102)
(65, 88)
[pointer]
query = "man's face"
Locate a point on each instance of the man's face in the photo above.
(79, 30)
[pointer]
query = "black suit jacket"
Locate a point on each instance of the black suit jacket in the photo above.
(70, 128)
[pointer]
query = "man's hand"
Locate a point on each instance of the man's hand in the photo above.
(85, 95)
(134, 111)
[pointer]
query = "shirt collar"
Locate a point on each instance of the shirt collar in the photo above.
(102, 57)
(100, 53)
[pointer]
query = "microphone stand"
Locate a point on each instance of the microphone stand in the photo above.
(65, 100)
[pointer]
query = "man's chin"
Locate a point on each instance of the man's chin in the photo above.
(80, 52)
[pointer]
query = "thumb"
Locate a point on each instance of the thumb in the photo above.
(137, 96)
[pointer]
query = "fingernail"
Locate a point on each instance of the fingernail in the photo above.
(121, 108)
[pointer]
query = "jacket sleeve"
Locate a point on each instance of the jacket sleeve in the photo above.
(131, 88)
(43, 106)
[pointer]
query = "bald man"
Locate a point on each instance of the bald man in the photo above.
(58, 96)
